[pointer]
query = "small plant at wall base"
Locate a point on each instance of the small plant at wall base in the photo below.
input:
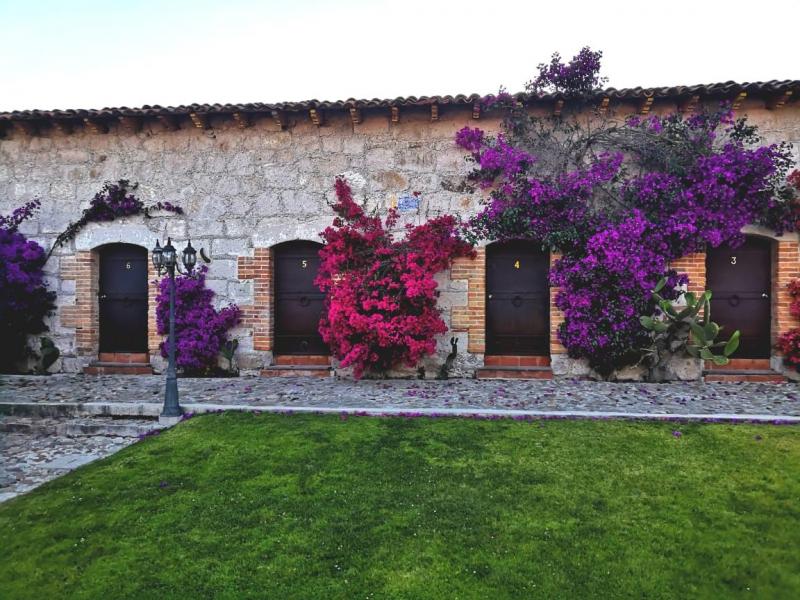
(25, 300)
(688, 330)
(113, 201)
(48, 354)
(200, 329)
(620, 199)
(380, 308)
(789, 342)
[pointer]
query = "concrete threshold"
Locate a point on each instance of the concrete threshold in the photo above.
(152, 410)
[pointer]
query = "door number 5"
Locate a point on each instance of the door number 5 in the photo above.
(304, 263)
(733, 260)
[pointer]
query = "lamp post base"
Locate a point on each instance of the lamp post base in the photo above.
(169, 421)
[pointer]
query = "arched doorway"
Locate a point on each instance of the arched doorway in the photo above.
(740, 280)
(298, 302)
(517, 299)
(122, 298)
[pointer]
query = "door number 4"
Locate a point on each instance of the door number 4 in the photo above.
(516, 264)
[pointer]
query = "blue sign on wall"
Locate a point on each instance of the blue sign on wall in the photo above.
(407, 203)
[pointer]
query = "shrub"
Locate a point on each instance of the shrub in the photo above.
(620, 201)
(380, 308)
(200, 329)
(25, 300)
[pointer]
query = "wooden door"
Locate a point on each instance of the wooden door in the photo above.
(517, 299)
(298, 302)
(740, 280)
(123, 298)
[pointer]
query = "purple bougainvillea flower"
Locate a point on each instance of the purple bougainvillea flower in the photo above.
(676, 434)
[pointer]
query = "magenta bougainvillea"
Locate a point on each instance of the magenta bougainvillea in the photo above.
(25, 300)
(380, 308)
(620, 201)
(580, 75)
(200, 329)
(113, 201)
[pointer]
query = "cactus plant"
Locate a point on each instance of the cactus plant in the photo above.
(690, 330)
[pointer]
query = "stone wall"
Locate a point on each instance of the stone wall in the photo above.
(246, 189)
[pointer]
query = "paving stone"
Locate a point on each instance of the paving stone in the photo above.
(675, 397)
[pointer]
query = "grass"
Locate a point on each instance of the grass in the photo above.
(276, 506)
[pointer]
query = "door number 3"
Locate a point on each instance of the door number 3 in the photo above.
(516, 264)
(304, 263)
(733, 260)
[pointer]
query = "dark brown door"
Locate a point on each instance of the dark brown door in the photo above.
(517, 299)
(740, 281)
(298, 302)
(123, 298)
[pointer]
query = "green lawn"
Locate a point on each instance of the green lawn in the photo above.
(275, 506)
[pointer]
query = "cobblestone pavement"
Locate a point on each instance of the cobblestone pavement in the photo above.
(558, 395)
(33, 451)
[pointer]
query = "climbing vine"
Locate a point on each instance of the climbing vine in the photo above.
(620, 199)
(380, 307)
(113, 201)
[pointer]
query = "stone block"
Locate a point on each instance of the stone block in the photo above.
(230, 247)
(222, 269)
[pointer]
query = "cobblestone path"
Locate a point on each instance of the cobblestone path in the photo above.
(558, 395)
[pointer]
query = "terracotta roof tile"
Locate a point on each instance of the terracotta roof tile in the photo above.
(714, 90)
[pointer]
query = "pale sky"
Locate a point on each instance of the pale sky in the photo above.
(93, 54)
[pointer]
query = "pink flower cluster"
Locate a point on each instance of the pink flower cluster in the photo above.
(380, 308)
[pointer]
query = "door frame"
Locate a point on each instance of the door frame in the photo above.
(275, 252)
(100, 254)
(548, 256)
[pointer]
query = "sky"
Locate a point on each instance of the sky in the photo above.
(111, 53)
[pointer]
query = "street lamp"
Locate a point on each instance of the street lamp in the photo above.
(165, 260)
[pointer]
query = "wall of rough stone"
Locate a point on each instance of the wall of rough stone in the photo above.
(251, 188)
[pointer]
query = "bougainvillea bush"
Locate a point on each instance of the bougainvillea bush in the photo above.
(113, 201)
(380, 308)
(25, 300)
(200, 330)
(620, 200)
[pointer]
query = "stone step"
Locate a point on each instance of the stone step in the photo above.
(303, 359)
(742, 376)
(516, 361)
(514, 373)
(77, 426)
(115, 368)
(297, 371)
(740, 364)
(123, 357)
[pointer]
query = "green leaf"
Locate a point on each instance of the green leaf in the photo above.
(721, 360)
(732, 344)
(712, 331)
(660, 285)
(660, 326)
(690, 298)
(693, 350)
(699, 334)
(706, 354)
(667, 307)
(647, 322)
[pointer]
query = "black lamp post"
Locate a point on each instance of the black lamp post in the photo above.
(165, 260)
